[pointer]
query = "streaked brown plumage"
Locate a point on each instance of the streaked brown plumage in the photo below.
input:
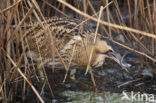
(66, 33)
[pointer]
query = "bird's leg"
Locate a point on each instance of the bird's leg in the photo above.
(41, 72)
(42, 83)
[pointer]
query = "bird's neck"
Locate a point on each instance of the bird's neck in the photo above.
(83, 55)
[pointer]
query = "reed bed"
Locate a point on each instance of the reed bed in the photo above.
(135, 20)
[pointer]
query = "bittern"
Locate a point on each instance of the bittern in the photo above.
(70, 38)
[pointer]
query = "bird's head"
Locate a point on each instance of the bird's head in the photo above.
(106, 47)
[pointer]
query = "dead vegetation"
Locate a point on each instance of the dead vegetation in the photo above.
(134, 20)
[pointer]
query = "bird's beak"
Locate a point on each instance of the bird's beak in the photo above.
(117, 58)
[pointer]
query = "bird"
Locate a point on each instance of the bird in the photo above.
(69, 38)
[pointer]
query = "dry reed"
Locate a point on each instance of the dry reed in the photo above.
(140, 29)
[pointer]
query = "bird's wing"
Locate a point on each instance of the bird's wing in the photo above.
(65, 32)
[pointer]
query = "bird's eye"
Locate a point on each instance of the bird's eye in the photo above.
(110, 51)
(107, 52)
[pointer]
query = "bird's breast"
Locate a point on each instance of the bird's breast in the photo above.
(99, 60)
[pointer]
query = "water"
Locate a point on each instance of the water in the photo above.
(108, 79)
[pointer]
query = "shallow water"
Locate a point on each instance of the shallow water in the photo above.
(108, 79)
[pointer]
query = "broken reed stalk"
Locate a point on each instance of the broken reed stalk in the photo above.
(149, 57)
(95, 14)
(154, 24)
(128, 82)
(136, 25)
(24, 77)
(85, 5)
(141, 46)
(108, 18)
(51, 42)
(1, 88)
(139, 32)
(10, 7)
(59, 11)
(20, 23)
(49, 32)
(70, 61)
(151, 25)
(92, 8)
(129, 13)
(92, 49)
(131, 34)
